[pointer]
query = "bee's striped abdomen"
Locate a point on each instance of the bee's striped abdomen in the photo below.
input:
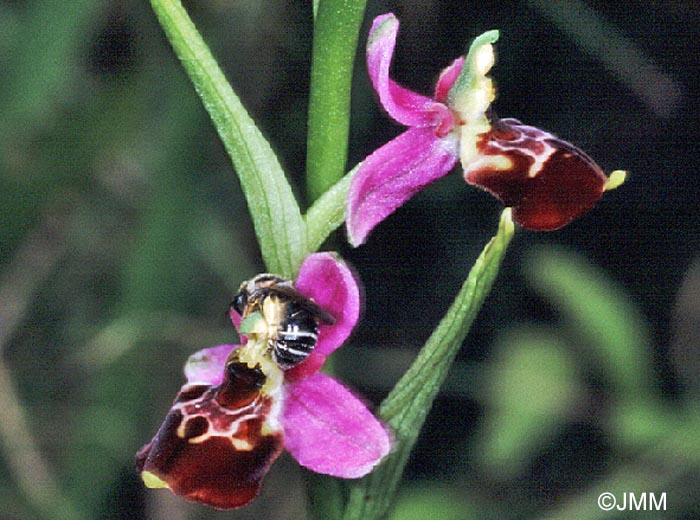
(296, 337)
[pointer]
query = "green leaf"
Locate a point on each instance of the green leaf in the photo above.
(640, 423)
(600, 313)
(325, 495)
(336, 31)
(530, 390)
(433, 502)
(276, 216)
(41, 57)
(408, 404)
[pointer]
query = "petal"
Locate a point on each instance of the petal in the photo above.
(547, 181)
(217, 442)
(447, 79)
(207, 366)
(328, 430)
(235, 317)
(406, 107)
(329, 282)
(393, 174)
(306, 368)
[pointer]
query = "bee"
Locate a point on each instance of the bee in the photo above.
(292, 320)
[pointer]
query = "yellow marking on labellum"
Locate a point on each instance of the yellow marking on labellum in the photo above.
(540, 159)
(241, 444)
(272, 423)
(200, 438)
(491, 162)
(152, 481)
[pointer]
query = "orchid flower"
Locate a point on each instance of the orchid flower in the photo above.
(239, 409)
(548, 182)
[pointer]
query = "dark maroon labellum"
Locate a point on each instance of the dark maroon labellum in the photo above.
(216, 443)
(548, 182)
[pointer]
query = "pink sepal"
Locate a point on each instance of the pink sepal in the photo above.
(329, 430)
(406, 107)
(206, 366)
(329, 282)
(393, 174)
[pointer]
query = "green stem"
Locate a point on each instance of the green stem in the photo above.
(336, 31)
(278, 223)
(408, 404)
(328, 212)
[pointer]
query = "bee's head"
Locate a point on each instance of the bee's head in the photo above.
(255, 290)
(240, 301)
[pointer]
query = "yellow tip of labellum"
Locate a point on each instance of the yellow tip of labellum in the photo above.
(616, 179)
(152, 481)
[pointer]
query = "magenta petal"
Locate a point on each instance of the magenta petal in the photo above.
(329, 430)
(235, 318)
(406, 107)
(447, 79)
(393, 174)
(328, 281)
(306, 368)
(207, 365)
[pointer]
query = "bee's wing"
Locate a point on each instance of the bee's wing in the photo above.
(321, 314)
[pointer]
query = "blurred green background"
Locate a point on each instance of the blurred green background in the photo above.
(123, 235)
